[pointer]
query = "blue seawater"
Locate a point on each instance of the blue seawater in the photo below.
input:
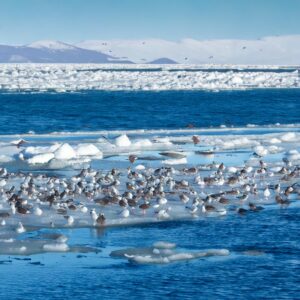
(273, 234)
(274, 274)
(91, 111)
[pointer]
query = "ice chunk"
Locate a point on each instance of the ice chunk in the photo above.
(273, 149)
(232, 169)
(260, 150)
(57, 247)
(41, 158)
(180, 161)
(164, 245)
(156, 258)
(142, 143)
(88, 150)
(65, 152)
(140, 167)
(275, 141)
(237, 80)
(288, 137)
(122, 141)
(30, 151)
(292, 155)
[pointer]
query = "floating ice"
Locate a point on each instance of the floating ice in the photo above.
(275, 141)
(237, 142)
(65, 152)
(140, 167)
(179, 161)
(290, 136)
(164, 253)
(232, 169)
(41, 158)
(164, 245)
(260, 150)
(88, 150)
(273, 149)
(58, 197)
(142, 143)
(57, 247)
(122, 141)
(76, 77)
(292, 155)
(40, 244)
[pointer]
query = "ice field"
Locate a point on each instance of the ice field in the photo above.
(117, 178)
(79, 77)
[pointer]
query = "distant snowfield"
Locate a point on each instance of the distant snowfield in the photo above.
(272, 50)
(277, 50)
(78, 77)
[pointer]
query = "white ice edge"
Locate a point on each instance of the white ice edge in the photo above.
(63, 152)
(221, 129)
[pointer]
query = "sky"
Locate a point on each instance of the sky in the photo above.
(72, 21)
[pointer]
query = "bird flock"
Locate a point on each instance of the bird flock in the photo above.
(133, 195)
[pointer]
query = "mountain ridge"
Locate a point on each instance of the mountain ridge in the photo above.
(270, 50)
(54, 52)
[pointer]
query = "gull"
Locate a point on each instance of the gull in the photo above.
(125, 213)
(94, 215)
(196, 139)
(267, 192)
(20, 228)
(70, 220)
(38, 211)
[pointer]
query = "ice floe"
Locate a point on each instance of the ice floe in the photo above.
(164, 253)
(65, 180)
(122, 141)
(65, 152)
(77, 77)
(88, 150)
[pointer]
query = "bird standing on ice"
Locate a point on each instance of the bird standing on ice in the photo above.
(132, 158)
(70, 220)
(94, 216)
(125, 213)
(101, 219)
(196, 139)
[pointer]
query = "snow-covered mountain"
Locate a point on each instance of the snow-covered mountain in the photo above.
(49, 44)
(163, 60)
(274, 50)
(54, 52)
(277, 50)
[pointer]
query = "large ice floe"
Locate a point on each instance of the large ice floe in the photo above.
(79, 77)
(118, 178)
(164, 253)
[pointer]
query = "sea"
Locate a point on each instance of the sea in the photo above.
(109, 110)
(265, 247)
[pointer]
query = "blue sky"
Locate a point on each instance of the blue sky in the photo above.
(25, 21)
